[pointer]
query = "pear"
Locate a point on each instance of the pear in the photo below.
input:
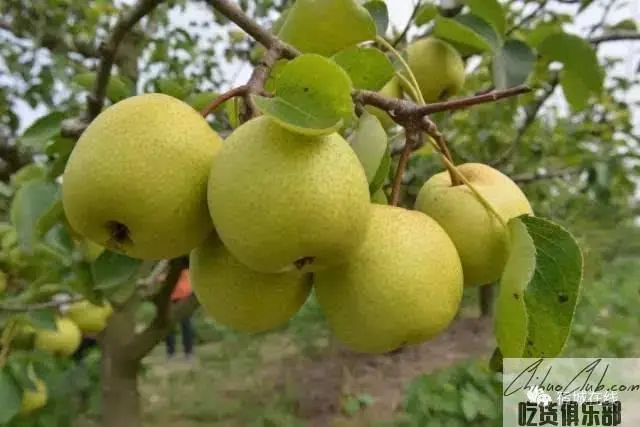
(403, 286)
(90, 318)
(136, 180)
(438, 68)
(279, 198)
(326, 27)
(392, 89)
(32, 400)
(480, 239)
(64, 341)
(239, 297)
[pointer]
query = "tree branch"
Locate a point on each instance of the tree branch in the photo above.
(458, 104)
(414, 137)
(236, 91)
(20, 308)
(529, 178)
(614, 37)
(255, 85)
(108, 51)
(267, 39)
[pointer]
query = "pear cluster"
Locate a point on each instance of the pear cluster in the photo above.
(270, 215)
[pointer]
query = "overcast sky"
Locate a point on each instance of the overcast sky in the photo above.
(400, 11)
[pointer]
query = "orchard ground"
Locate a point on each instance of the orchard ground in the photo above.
(298, 376)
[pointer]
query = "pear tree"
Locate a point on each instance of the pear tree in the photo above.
(300, 180)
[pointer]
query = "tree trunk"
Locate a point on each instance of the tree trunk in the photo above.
(119, 374)
(486, 294)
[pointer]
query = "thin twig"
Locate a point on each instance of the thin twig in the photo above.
(267, 39)
(108, 51)
(458, 104)
(23, 308)
(614, 37)
(237, 91)
(407, 27)
(413, 138)
(256, 83)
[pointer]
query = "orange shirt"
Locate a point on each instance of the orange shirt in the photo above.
(183, 287)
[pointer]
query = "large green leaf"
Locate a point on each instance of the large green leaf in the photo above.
(539, 289)
(174, 88)
(367, 67)
(513, 64)
(118, 87)
(31, 201)
(327, 27)
(312, 96)
(369, 141)
(489, 10)
(578, 57)
(112, 269)
(455, 31)
(42, 131)
(10, 396)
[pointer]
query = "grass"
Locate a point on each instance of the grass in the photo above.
(242, 380)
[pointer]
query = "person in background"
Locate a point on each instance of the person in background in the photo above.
(181, 291)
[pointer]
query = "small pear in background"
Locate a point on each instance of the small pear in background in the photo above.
(64, 341)
(240, 298)
(437, 67)
(136, 181)
(278, 198)
(481, 240)
(403, 286)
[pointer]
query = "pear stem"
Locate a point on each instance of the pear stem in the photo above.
(414, 82)
(415, 94)
(412, 139)
(221, 99)
(476, 193)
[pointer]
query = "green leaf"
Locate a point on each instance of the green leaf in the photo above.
(489, 10)
(327, 27)
(380, 14)
(578, 57)
(112, 269)
(118, 87)
(367, 67)
(48, 219)
(369, 141)
(60, 146)
(200, 100)
(482, 28)
(513, 64)
(426, 14)
(627, 24)
(382, 173)
(541, 32)
(574, 89)
(31, 201)
(44, 319)
(312, 96)
(453, 30)
(31, 172)
(351, 406)
(42, 131)
(539, 289)
(173, 88)
(10, 396)
(5, 190)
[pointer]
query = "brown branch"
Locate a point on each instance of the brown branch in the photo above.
(458, 104)
(414, 138)
(256, 83)
(108, 51)
(614, 37)
(267, 39)
(237, 91)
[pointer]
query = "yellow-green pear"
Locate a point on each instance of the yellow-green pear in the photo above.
(136, 180)
(326, 27)
(239, 297)
(64, 341)
(32, 400)
(438, 68)
(277, 197)
(90, 318)
(392, 89)
(481, 240)
(403, 286)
